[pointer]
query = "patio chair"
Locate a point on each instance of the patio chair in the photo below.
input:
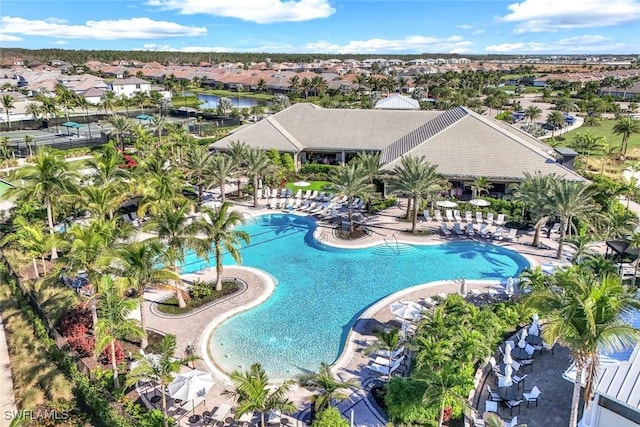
(484, 230)
(479, 218)
(470, 231)
(427, 216)
(298, 194)
(532, 396)
(393, 354)
(512, 423)
(456, 215)
(529, 349)
(489, 218)
(516, 365)
(491, 406)
(477, 422)
(518, 379)
(307, 194)
(385, 370)
(449, 215)
(497, 233)
(512, 235)
(457, 229)
(527, 362)
(445, 230)
(493, 395)
(314, 194)
(500, 220)
(468, 217)
(555, 228)
(221, 412)
(548, 347)
(512, 404)
(438, 215)
(274, 193)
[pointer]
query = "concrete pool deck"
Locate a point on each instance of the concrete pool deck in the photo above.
(196, 328)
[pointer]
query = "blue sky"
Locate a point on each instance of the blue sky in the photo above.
(326, 26)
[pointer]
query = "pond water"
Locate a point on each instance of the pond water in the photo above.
(211, 101)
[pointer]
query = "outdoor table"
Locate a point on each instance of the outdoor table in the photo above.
(533, 340)
(155, 398)
(194, 418)
(520, 353)
(508, 393)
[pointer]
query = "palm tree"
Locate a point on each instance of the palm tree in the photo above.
(417, 179)
(586, 142)
(107, 101)
(173, 229)
(219, 230)
(65, 97)
(626, 126)
(480, 185)
(121, 125)
(556, 120)
(46, 181)
(107, 166)
(114, 322)
(159, 123)
(222, 167)
(238, 152)
(533, 113)
(388, 340)
(534, 193)
(569, 200)
(198, 167)
(139, 266)
(30, 239)
(162, 371)
(34, 110)
(258, 164)
(8, 105)
(329, 387)
(446, 385)
(101, 201)
(253, 392)
(351, 181)
(585, 314)
(371, 163)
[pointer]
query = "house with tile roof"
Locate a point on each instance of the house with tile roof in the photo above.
(129, 86)
(464, 145)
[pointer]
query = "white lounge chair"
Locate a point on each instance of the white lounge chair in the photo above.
(307, 194)
(393, 354)
(489, 218)
(457, 229)
(456, 215)
(500, 220)
(386, 370)
(512, 235)
(445, 229)
(438, 215)
(479, 217)
(468, 217)
(221, 413)
(555, 228)
(427, 216)
(449, 215)
(298, 194)
(470, 231)
(497, 233)
(483, 231)
(314, 194)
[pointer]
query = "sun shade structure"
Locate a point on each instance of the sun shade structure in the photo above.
(71, 125)
(144, 117)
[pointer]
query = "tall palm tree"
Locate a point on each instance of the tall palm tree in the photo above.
(258, 164)
(222, 167)
(626, 126)
(534, 193)
(417, 179)
(219, 230)
(585, 314)
(446, 386)
(8, 104)
(107, 101)
(159, 186)
(120, 126)
(533, 113)
(556, 120)
(329, 388)
(30, 239)
(34, 110)
(47, 180)
(569, 200)
(101, 201)
(139, 266)
(480, 185)
(351, 181)
(65, 97)
(371, 163)
(238, 152)
(107, 167)
(114, 322)
(172, 226)
(162, 371)
(253, 392)
(388, 340)
(159, 123)
(198, 167)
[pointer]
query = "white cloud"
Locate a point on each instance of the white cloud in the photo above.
(259, 11)
(465, 26)
(169, 48)
(56, 20)
(9, 38)
(60, 42)
(578, 44)
(417, 44)
(133, 28)
(478, 32)
(536, 16)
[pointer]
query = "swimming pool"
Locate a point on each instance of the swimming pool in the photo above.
(321, 290)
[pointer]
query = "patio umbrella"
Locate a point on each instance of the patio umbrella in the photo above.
(534, 329)
(480, 202)
(508, 360)
(508, 371)
(446, 204)
(510, 289)
(190, 385)
(407, 310)
(301, 184)
(523, 338)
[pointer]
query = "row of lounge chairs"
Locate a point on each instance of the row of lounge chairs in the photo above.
(497, 233)
(285, 193)
(455, 216)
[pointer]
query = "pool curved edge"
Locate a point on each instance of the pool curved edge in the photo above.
(207, 334)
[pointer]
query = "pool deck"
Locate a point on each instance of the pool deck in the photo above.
(195, 328)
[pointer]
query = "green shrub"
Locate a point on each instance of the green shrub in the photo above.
(310, 168)
(404, 402)
(330, 417)
(200, 290)
(288, 163)
(382, 204)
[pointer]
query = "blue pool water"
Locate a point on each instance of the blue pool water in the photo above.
(322, 290)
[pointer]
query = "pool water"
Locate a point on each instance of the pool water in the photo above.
(321, 290)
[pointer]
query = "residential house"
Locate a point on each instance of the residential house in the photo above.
(129, 86)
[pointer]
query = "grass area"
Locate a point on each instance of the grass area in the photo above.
(190, 101)
(604, 129)
(527, 89)
(515, 76)
(170, 305)
(314, 185)
(233, 94)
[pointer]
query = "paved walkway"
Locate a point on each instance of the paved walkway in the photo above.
(7, 400)
(196, 328)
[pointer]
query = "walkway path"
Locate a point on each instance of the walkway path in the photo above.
(7, 400)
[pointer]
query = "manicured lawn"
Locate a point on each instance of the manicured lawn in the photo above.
(314, 185)
(233, 94)
(604, 129)
(170, 305)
